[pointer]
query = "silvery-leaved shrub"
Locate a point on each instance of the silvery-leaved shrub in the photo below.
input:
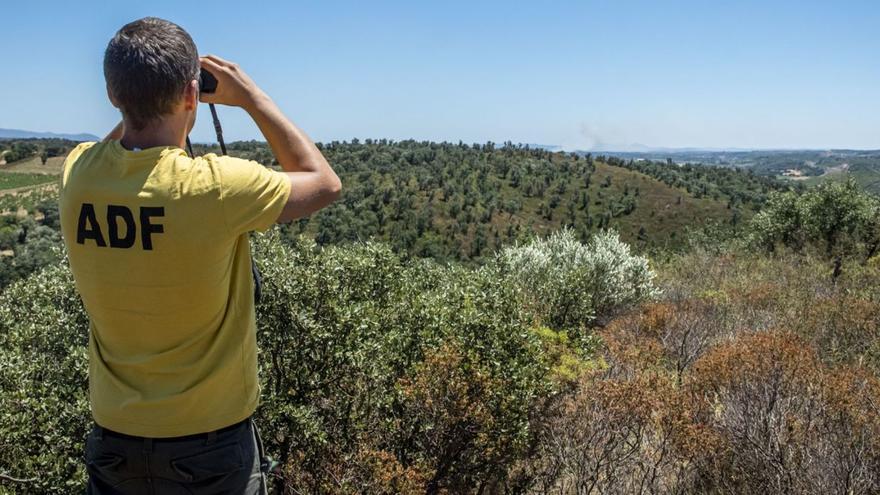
(568, 284)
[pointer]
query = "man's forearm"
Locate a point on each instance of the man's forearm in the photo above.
(294, 150)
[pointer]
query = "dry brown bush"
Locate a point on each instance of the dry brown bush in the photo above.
(759, 392)
(670, 335)
(618, 436)
(844, 328)
(752, 376)
(452, 407)
(784, 415)
(758, 413)
(367, 471)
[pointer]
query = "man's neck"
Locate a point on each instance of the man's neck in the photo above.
(157, 135)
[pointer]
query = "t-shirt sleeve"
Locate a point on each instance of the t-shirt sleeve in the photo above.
(251, 195)
(71, 158)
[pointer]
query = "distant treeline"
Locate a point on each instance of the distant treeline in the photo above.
(13, 150)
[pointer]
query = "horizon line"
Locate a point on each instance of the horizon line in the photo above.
(549, 147)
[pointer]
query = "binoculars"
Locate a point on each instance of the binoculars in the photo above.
(207, 82)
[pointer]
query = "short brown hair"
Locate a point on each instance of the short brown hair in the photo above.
(147, 65)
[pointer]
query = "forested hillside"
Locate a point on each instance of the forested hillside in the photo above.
(458, 201)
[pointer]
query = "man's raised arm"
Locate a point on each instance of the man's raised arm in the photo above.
(313, 184)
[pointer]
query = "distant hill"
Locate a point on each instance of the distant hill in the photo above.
(20, 134)
(804, 166)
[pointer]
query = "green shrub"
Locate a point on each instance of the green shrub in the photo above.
(834, 218)
(44, 409)
(351, 340)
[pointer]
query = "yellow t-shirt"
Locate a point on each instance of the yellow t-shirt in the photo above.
(158, 247)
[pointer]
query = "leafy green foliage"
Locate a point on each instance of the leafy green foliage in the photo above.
(347, 334)
(837, 218)
(44, 408)
(28, 244)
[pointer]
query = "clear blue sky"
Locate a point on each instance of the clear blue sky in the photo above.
(757, 74)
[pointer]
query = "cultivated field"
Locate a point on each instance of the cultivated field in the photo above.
(35, 166)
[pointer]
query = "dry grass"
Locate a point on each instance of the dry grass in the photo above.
(34, 165)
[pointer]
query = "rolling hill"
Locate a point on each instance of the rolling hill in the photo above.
(459, 201)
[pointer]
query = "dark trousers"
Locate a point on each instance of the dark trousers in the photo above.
(230, 460)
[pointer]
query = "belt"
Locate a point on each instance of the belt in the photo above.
(209, 435)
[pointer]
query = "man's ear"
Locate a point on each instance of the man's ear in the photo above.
(191, 95)
(112, 98)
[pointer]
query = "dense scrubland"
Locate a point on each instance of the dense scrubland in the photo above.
(563, 358)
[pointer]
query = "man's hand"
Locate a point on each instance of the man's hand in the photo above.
(234, 87)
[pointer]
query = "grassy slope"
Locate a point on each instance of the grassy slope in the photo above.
(657, 208)
(33, 165)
